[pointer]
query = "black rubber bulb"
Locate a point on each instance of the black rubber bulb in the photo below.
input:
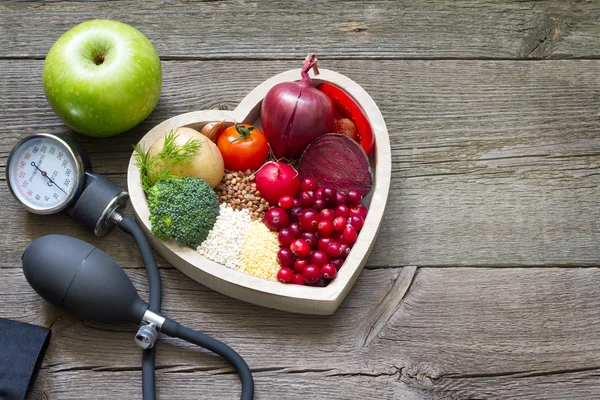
(81, 279)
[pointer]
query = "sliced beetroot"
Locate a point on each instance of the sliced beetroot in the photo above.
(337, 161)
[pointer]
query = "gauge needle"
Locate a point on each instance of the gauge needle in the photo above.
(44, 173)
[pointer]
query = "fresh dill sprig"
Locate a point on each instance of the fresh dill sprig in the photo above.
(156, 167)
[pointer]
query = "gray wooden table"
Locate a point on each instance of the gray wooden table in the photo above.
(484, 282)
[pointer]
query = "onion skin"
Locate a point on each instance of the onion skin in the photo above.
(293, 114)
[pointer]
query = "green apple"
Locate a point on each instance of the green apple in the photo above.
(102, 77)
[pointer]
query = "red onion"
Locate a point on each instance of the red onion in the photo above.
(295, 113)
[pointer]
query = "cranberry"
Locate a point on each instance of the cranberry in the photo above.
(294, 214)
(327, 213)
(321, 283)
(342, 211)
(285, 275)
(329, 271)
(300, 248)
(309, 220)
(298, 279)
(306, 198)
(311, 238)
(323, 243)
(350, 234)
(344, 250)
(311, 274)
(286, 202)
(285, 257)
(286, 237)
(296, 229)
(319, 258)
(319, 194)
(319, 204)
(300, 264)
(329, 195)
(359, 210)
(276, 218)
(338, 237)
(339, 223)
(297, 203)
(337, 262)
(357, 222)
(308, 184)
(340, 198)
(353, 198)
(325, 228)
(333, 250)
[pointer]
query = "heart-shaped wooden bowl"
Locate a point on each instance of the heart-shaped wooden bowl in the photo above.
(294, 298)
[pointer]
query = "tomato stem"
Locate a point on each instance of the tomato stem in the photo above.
(243, 131)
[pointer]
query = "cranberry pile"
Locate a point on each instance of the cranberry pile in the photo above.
(316, 231)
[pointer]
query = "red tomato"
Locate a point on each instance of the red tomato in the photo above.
(243, 147)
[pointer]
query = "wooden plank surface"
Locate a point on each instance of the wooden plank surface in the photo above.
(495, 166)
(494, 163)
(457, 333)
(350, 29)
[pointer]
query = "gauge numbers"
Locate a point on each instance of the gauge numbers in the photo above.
(43, 173)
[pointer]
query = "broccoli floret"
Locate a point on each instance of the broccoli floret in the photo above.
(184, 209)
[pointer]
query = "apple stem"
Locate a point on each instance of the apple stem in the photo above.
(99, 59)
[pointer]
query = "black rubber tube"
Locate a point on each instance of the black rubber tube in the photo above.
(174, 329)
(148, 356)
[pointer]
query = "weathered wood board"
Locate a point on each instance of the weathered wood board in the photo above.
(494, 163)
(456, 333)
(342, 29)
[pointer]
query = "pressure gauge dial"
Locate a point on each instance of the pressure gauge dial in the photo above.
(45, 173)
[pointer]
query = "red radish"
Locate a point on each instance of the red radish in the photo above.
(275, 179)
(293, 114)
(337, 162)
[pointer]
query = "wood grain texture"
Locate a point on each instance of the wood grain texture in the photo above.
(494, 162)
(459, 333)
(349, 29)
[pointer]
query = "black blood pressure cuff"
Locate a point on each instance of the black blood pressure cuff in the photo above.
(22, 348)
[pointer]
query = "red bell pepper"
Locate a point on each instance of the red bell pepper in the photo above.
(350, 109)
